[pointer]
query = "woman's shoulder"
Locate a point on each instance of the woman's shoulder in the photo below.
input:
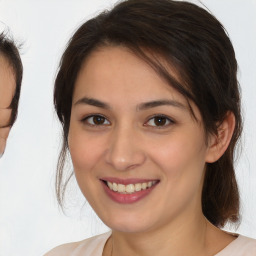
(93, 245)
(63, 249)
(242, 246)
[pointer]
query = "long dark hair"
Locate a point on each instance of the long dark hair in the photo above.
(189, 39)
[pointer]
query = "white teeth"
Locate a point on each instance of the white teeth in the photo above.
(144, 185)
(138, 187)
(121, 188)
(115, 187)
(110, 185)
(131, 188)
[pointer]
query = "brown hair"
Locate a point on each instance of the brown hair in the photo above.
(188, 38)
(9, 50)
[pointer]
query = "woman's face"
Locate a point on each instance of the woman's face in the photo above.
(7, 89)
(131, 132)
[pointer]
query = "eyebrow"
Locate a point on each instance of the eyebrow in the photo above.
(158, 103)
(142, 106)
(92, 102)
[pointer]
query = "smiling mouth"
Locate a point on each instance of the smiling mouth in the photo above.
(129, 188)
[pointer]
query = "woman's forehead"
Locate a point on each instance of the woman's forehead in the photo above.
(112, 74)
(119, 70)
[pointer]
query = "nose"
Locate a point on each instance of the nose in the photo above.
(125, 150)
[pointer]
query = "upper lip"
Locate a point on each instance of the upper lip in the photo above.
(127, 181)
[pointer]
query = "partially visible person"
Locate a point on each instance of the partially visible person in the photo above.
(11, 70)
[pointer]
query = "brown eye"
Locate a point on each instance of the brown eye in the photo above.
(97, 120)
(159, 121)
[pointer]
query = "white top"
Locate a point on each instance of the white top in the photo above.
(242, 246)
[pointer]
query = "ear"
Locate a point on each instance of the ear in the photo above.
(218, 144)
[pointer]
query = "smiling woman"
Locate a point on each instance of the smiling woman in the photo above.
(148, 98)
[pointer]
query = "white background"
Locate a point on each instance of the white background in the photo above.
(30, 221)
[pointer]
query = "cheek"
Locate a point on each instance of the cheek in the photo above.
(4, 132)
(5, 116)
(180, 156)
(7, 90)
(182, 164)
(85, 150)
(85, 153)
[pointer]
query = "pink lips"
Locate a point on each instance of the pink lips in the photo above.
(126, 198)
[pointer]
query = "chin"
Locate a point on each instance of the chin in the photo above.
(126, 228)
(129, 223)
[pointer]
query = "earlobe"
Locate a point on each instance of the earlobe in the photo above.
(218, 143)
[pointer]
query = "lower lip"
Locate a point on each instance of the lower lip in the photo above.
(127, 198)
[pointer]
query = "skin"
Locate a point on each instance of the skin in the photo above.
(7, 90)
(129, 143)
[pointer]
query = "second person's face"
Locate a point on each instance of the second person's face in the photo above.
(7, 90)
(138, 154)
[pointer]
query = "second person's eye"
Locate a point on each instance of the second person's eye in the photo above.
(96, 120)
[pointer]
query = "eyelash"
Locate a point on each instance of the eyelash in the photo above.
(104, 119)
(87, 118)
(160, 116)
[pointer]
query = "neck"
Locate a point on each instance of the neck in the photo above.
(169, 239)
